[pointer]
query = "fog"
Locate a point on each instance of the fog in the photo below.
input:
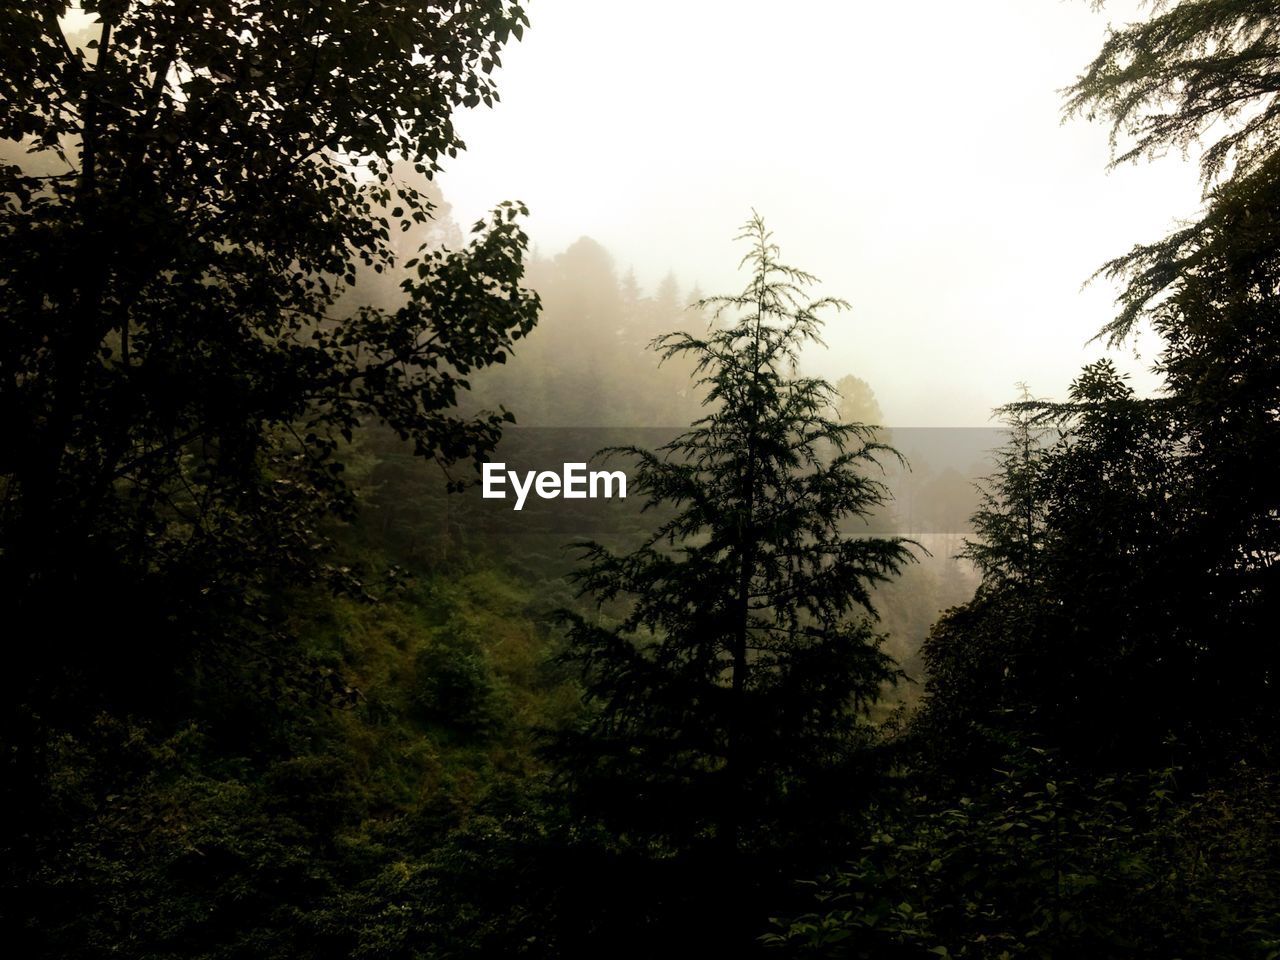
(912, 156)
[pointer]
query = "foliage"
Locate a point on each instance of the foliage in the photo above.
(189, 197)
(1040, 861)
(1164, 81)
(1096, 612)
(1194, 66)
(317, 838)
(1009, 522)
(452, 681)
(726, 675)
(182, 386)
(1193, 71)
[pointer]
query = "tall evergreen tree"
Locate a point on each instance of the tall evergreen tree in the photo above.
(729, 681)
(1194, 72)
(1191, 74)
(1010, 517)
(1094, 620)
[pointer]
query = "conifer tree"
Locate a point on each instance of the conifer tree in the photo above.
(734, 652)
(1091, 620)
(1010, 516)
(1203, 76)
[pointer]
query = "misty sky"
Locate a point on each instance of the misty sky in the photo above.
(909, 154)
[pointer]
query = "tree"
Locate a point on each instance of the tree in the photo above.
(185, 197)
(728, 689)
(857, 401)
(1041, 860)
(1193, 67)
(1009, 521)
(1207, 72)
(969, 650)
(588, 364)
(200, 182)
(1094, 623)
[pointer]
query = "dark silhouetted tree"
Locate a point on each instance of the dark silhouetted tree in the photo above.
(1208, 73)
(184, 199)
(727, 692)
(1093, 620)
(178, 380)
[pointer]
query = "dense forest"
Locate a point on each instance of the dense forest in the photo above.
(282, 684)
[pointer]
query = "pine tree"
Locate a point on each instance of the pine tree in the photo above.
(734, 653)
(1010, 517)
(1093, 624)
(1201, 76)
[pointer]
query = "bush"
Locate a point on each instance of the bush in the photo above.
(1042, 863)
(453, 685)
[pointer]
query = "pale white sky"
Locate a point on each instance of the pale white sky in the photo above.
(910, 154)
